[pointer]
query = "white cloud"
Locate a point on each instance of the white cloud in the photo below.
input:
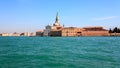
(104, 18)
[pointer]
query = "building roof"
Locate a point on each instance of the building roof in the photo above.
(93, 27)
(96, 28)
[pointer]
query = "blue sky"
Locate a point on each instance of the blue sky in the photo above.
(33, 15)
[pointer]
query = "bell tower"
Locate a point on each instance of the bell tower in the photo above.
(57, 23)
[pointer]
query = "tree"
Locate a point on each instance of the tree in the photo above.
(115, 30)
(118, 31)
(110, 31)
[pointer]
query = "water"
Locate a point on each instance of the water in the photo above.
(59, 52)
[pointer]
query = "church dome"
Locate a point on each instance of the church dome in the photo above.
(48, 27)
(56, 24)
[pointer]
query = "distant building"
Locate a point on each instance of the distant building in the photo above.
(4, 34)
(32, 34)
(47, 30)
(58, 30)
(55, 33)
(25, 34)
(74, 31)
(15, 34)
(71, 31)
(95, 31)
(67, 31)
(39, 33)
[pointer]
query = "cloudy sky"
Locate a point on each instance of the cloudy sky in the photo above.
(33, 15)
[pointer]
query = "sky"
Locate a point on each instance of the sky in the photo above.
(33, 15)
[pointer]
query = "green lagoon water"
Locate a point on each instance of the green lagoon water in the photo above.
(59, 52)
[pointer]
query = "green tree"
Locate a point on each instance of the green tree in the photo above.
(110, 31)
(115, 30)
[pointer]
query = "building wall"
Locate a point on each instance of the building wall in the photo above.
(47, 30)
(55, 33)
(71, 31)
(5, 34)
(15, 34)
(25, 34)
(95, 33)
(68, 32)
(33, 34)
(40, 33)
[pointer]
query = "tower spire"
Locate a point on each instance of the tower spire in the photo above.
(57, 20)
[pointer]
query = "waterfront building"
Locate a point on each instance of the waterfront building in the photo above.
(25, 34)
(52, 30)
(95, 31)
(15, 34)
(32, 34)
(71, 31)
(55, 33)
(58, 30)
(39, 33)
(67, 31)
(47, 30)
(74, 31)
(4, 34)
